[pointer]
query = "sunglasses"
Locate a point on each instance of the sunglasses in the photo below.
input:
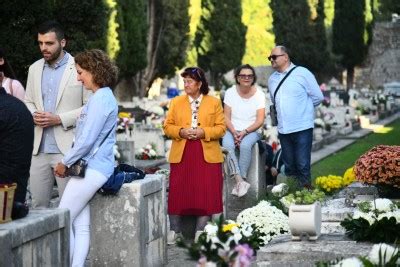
(244, 76)
(274, 57)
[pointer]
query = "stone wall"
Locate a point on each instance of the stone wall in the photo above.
(383, 62)
(40, 239)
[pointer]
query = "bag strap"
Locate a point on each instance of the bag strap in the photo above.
(11, 87)
(280, 83)
(97, 148)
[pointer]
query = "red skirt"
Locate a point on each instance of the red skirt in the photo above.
(195, 186)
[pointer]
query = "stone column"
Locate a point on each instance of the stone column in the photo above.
(130, 229)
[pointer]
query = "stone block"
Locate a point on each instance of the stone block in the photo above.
(127, 151)
(39, 239)
(233, 205)
(283, 252)
(130, 229)
(317, 145)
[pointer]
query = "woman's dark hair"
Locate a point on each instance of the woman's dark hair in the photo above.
(52, 26)
(96, 61)
(245, 66)
(6, 67)
(198, 75)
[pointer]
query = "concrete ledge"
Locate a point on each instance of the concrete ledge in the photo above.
(40, 239)
(130, 229)
(233, 205)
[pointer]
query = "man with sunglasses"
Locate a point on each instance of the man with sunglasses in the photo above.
(294, 101)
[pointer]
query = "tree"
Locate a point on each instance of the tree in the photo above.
(220, 37)
(348, 35)
(84, 22)
(168, 28)
(302, 32)
(260, 39)
(18, 32)
(132, 40)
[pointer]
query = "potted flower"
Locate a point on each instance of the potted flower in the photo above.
(305, 213)
(225, 243)
(375, 221)
(330, 184)
(268, 219)
(380, 167)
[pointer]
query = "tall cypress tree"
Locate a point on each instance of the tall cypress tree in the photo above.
(168, 35)
(303, 35)
(18, 32)
(132, 34)
(348, 35)
(220, 37)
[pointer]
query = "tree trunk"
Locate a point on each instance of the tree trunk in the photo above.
(350, 78)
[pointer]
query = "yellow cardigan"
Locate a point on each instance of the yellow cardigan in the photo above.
(210, 119)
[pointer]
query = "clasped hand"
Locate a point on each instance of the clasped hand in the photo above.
(45, 119)
(192, 134)
(238, 136)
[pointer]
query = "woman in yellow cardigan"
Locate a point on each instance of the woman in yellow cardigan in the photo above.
(195, 122)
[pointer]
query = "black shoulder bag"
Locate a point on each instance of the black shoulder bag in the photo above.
(272, 109)
(78, 169)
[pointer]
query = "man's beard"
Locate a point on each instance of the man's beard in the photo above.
(55, 56)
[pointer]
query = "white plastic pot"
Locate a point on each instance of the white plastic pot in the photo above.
(305, 220)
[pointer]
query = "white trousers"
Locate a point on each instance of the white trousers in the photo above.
(76, 198)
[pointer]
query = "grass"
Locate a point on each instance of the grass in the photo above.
(338, 163)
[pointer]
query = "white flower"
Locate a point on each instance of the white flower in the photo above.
(382, 204)
(280, 190)
(350, 262)
(116, 152)
(268, 219)
(211, 229)
(382, 251)
(141, 150)
(152, 153)
(148, 146)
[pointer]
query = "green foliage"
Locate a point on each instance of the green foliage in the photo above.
(348, 34)
(306, 197)
(260, 39)
(173, 29)
(339, 162)
(84, 22)
(220, 37)
(385, 9)
(132, 33)
(303, 33)
(18, 32)
(194, 14)
(386, 230)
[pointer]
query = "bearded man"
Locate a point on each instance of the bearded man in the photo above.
(55, 97)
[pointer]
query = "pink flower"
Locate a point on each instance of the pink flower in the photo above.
(245, 255)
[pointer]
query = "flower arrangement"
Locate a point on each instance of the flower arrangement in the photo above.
(379, 166)
(269, 220)
(303, 197)
(125, 122)
(225, 243)
(332, 183)
(147, 152)
(376, 221)
(380, 255)
(349, 176)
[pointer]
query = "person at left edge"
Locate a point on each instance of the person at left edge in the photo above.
(96, 123)
(55, 98)
(195, 122)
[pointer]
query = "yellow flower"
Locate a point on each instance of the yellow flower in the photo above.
(124, 115)
(349, 176)
(228, 227)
